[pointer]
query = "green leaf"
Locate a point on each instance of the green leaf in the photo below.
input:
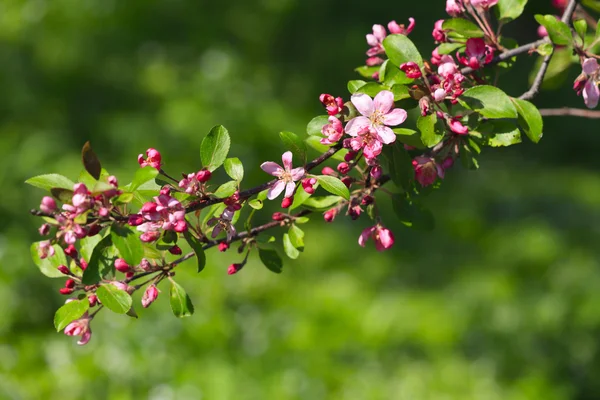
(196, 246)
(354, 85)
(463, 27)
(321, 203)
(391, 75)
(128, 243)
(256, 204)
(316, 124)
(296, 237)
(559, 32)
(226, 189)
(50, 181)
(367, 72)
(509, 10)
(301, 220)
(372, 89)
(234, 168)
(292, 142)
(123, 198)
(489, 101)
(87, 245)
(530, 119)
(545, 49)
(401, 49)
(399, 165)
(49, 264)
(142, 176)
(215, 147)
(598, 29)
(271, 260)
(500, 133)
(449, 48)
(301, 196)
(430, 133)
(181, 304)
(412, 214)
(409, 137)
(289, 248)
(101, 262)
(90, 160)
(70, 312)
(64, 195)
(581, 28)
(333, 185)
(113, 298)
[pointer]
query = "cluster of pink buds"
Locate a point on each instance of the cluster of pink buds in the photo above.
(477, 53)
(165, 213)
(192, 183)
(448, 82)
(333, 105)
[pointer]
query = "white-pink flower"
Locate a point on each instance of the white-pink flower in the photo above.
(375, 40)
(80, 327)
(591, 93)
(333, 130)
(377, 116)
(287, 176)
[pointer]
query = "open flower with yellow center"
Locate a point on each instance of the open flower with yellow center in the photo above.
(287, 176)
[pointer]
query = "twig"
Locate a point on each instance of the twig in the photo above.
(569, 112)
(539, 78)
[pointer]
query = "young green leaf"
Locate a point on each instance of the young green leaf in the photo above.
(87, 245)
(581, 28)
(289, 248)
(399, 165)
(142, 176)
(489, 101)
(214, 148)
(69, 312)
(127, 242)
(226, 189)
(316, 124)
(545, 49)
(271, 260)
(90, 161)
(50, 181)
(559, 32)
(321, 203)
(196, 246)
(333, 185)
(301, 196)
(391, 75)
(64, 195)
(234, 168)
(463, 27)
(113, 298)
(256, 204)
(430, 133)
(296, 237)
(509, 10)
(181, 304)
(372, 89)
(292, 142)
(101, 262)
(354, 85)
(501, 133)
(449, 48)
(366, 72)
(48, 266)
(409, 137)
(530, 119)
(401, 49)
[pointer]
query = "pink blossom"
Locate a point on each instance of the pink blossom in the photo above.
(308, 185)
(439, 34)
(560, 5)
(383, 237)
(374, 61)
(447, 66)
(164, 214)
(45, 249)
(375, 40)
(376, 172)
(483, 4)
(542, 31)
(149, 296)
(439, 95)
(426, 170)
(44, 229)
(333, 130)
(191, 183)
(377, 115)
(287, 176)
(223, 224)
(369, 142)
(394, 28)
(454, 7)
(591, 75)
(478, 53)
(153, 159)
(333, 105)
(81, 200)
(48, 205)
(436, 57)
(457, 127)
(411, 69)
(80, 327)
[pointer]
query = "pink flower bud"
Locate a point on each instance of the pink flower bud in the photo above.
(383, 237)
(63, 269)
(426, 170)
(94, 230)
(332, 105)
(44, 229)
(542, 31)
(411, 69)
(123, 286)
(374, 61)
(83, 264)
(287, 202)
(165, 191)
(329, 215)
(223, 247)
(153, 159)
(328, 171)
(448, 163)
(351, 155)
(80, 327)
(103, 212)
(234, 268)
(347, 180)
(149, 296)
(145, 264)
(149, 207)
(65, 291)
(277, 216)
(135, 220)
(439, 95)
(129, 275)
(70, 283)
(343, 168)
(307, 184)
(203, 176)
(355, 212)
(121, 265)
(48, 205)
(175, 250)
(148, 237)
(180, 226)
(457, 127)
(45, 249)
(367, 200)
(376, 172)
(112, 180)
(93, 300)
(71, 251)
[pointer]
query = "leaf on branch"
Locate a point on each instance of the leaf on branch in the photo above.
(91, 161)
(559, 32)
(101, 262)
(401, 49)
(463, 27)
(49, 181)
(431, 132)
(271, 260)
(509, 10)
(142, 176)
(48, 266)
(353, 86)
(181, 304)
(128, 243)
(289, 248)
(333, 185)
(489, 101)
(234, 168)
(113, 298)
(215, 147)
(530, 119)
(69, 312)
(197, 248)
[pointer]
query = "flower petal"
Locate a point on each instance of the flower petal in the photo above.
(363, 103)
(216, 231)
(357, 125)
(275, 190)
(287, 160)
(289, 189)
(591, 94)
(590, 66)
(385, 134)
(272, 168)
(384, 101)
(395, 117)
(364, 236)
(297, 173)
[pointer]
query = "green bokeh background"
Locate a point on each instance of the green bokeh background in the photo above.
(500, 301)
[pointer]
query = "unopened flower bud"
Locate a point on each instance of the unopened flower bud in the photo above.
(329, 215)
(94, 230)
(307, 185)
(176, 250)
(123, 286)
(63, 269)
(287, 202)
(343, 168)
(48, 205)
(234, 268)
(70, 283)
(149, 296)
(66, 290)
(347, 181)
(448, 163)
(103, 211)
(277, 216)
(129, 275)
(93, 300)
(376, 172)
(83, 264)
(71, 251)
(44, 229)
(135, 220)
(351, 155)
(328, 171)
(121, 265)
(165, 190)
(223, 247)
(112, 180)
(367, 200)
(145, 264)
(355, 212)
(203, 176)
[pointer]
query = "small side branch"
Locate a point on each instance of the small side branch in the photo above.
(570, 112)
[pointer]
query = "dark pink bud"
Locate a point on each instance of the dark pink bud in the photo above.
(103, 211)
(66, 290)
(176, 250)
(121, 265)
(83, 264)
(307, 184)
(448, 163)
(376, 172)
(48, 205)
(145, 264)
(63, 269)
(351, 155)
(135, 220)
(129, 274)
(287, 202)
(180, 227)
(355, 212)
(223, 247)
(149, 296)
(93, 299)
(153, 159)
(203, 176)
(277, 216)
(343, 168)
(165, 191)
(70, 283)
(94, 230)
(411, 69)
(71, 251)
(347, 181)
(234, 268)
(44, 229)
(329, 215)
(149, 207)
(457, 127)
(328, 171)
(366, 200)
(332, 105)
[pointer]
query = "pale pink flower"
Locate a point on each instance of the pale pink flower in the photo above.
(454, 7)
(394, 28)
(439, 34)
(375, 40)
(287, 176)
(457, 127)
(164, 214)
(439, 95)
(81, 200)
(447, 66)
(45, 249)
(80, 327)
(377, 116)
(153, 159)
(427, 170)
(333, 105)
(48, 205)
(369, 142)
(191, 183)
(591, 93)
(383, 237)
(333, 130)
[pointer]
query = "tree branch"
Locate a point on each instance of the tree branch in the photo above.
(569, 112)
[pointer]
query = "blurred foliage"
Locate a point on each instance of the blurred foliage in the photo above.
(500, 301)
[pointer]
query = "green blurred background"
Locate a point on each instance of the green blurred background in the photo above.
(500, 301)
